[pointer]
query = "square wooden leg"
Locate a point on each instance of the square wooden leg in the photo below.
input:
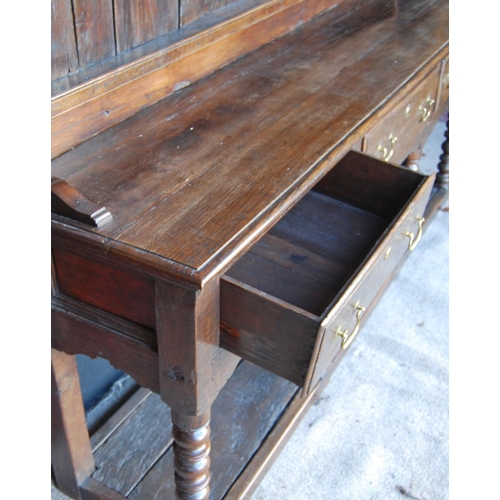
(72, 459)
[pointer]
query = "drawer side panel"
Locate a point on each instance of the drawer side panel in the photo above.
(265, 331)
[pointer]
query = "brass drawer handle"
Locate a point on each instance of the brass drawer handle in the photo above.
(414, 240)
(426, 111)
(347, 339)
(387, 154)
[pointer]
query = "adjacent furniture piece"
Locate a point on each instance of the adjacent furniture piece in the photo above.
(225, 187)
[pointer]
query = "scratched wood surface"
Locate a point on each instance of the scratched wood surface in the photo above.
(187, 176)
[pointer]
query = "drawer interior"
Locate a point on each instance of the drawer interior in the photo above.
(276, 298)
(309, 257)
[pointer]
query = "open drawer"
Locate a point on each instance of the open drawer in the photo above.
(300, 294)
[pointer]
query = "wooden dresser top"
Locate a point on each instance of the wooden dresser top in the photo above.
(194, 179)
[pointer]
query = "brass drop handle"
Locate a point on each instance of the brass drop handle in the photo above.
(414, 240)
(427, 110)
(346, 338)
(387, 154)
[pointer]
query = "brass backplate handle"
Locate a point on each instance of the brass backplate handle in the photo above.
(415, 240)
(426, 110)
(346, 338)
(387, 153)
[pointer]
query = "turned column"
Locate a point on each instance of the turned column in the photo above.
(191, 456)
(443, 175)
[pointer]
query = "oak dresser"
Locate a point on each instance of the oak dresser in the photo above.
(234, 184)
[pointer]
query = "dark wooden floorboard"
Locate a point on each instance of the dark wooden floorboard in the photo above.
(118, 418)
(124, 459)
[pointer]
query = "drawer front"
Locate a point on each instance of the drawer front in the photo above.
(342, 324)
(400, 133)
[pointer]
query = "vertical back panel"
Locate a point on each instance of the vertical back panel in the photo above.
(64, 53)
(138, 22)
(94, 25)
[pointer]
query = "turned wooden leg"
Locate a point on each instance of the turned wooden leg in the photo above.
(191, 456)
(443, 175)
(72, 459)
(412, 161)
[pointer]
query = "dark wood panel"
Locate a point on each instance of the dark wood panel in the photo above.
(309, 256)
(140, 21)
(64, 52)
(94, 26)
(333, 229)
(285, 283)
(270, 333)
(254, 399)
(296, 258)
(363, 183)
(91, 245)
(79, 329)
(107, 287)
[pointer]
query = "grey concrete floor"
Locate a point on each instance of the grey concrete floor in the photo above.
(380, 429)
